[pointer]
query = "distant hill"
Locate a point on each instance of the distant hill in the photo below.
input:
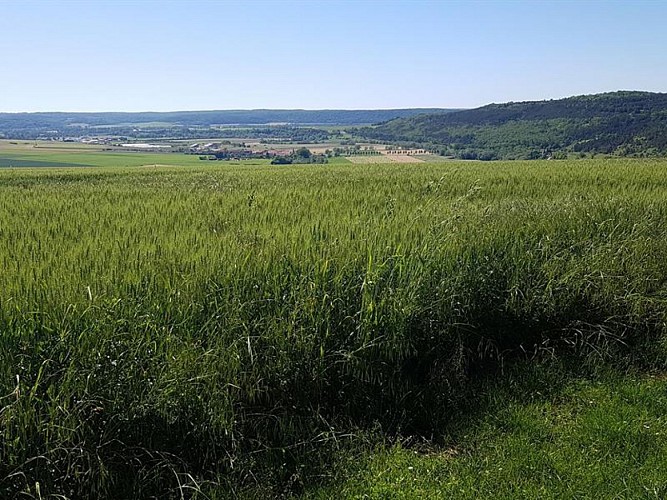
(621, 123)
(24, 124)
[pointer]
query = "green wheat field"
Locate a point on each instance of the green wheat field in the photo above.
(442, 330)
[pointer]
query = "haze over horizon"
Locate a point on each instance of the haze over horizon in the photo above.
(151, 56)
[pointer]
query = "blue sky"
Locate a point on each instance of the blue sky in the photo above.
(149, 55)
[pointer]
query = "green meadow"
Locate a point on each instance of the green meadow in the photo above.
(447, 329)
(64, 158)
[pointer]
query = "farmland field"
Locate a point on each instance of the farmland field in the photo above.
(65, 158)
(23, 161)
(209, 328)
(384, 158)
(366, 159)
(404, 159)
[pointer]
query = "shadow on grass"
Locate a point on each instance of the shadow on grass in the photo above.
(314, 465)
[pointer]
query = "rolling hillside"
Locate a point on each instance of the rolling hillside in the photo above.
(619, 123)
(25, 125)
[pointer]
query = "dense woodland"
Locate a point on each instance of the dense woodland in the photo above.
(617, 123)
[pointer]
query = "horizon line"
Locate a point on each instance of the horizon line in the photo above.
(212, 110)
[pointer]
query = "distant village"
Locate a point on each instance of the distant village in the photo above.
(220, 151)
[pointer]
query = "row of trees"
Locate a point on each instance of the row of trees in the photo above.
(301, 156)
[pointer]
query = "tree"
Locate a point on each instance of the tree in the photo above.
(303, 153)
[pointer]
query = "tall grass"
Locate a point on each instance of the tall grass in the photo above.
(162, 329)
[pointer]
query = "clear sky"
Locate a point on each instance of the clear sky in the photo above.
(185, 55)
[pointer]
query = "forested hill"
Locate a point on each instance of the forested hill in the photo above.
(61, 121)
(621, 123)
